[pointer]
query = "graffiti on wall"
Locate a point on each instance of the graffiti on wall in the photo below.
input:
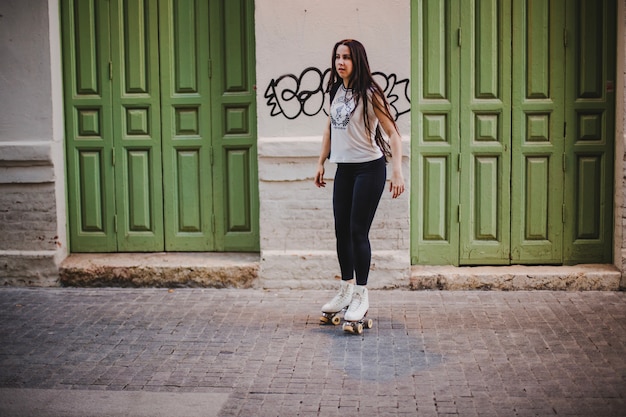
(293, 96)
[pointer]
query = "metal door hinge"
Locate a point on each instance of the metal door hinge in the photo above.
(110, 70)
(458, 213)
(458, 163)
(458, 40)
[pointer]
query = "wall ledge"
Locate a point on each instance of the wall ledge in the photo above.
(26, 162)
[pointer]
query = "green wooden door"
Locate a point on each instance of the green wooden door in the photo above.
(236, 181)
(89, 129)
(435, 92)
(590, 130)
(136, 126)
(530, 186)
(484, 42)
(187, 125)
(146, 125)
(539, 69)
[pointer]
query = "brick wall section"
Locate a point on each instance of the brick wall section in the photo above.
(28, 269)
(299, 216)
(296, 215)
(28, 219)
(297, 224)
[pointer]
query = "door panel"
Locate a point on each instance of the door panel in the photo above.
(137, 125)
(485, 132)
(187, 125)
(436, 198)
(89, 139)
(188, 192)
(590, 131)
(91, 191)
(236, 179)
(237, 168)
(537, 137)
(138, 169)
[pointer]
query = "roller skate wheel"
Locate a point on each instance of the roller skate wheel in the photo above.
(347, 327)
(359, 328)
(323, 320)
(336, 320)
(369, 324)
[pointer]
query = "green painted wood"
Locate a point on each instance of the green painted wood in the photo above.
(235, 179)
(435, 180)
(537, 135)
(590, 101)
(239, 205)
(137, 125)
(140, 218)
(536, 198)
(159, 152)
(435, 134)
(485, 129)
(527, 105)
(88, 128)
(91, 192)
(189, 193)
(188, 135)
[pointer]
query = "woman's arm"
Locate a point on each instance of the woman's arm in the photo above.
(324, 153)
(395, 141)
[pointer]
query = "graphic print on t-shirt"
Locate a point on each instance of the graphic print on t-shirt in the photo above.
(342, 108)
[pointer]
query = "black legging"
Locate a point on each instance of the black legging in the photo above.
(356, 193)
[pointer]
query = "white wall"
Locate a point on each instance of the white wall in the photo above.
(31, 151)
(297, 235)
(292, 35)
(25, 91)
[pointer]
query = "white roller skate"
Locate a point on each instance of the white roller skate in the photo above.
(354, 319)
(337, 304)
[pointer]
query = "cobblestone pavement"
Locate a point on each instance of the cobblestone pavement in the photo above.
(429, 353)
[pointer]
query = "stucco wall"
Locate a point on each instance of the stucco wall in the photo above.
(25, 112)
(297, 238)
(294, 41)
(31, 155)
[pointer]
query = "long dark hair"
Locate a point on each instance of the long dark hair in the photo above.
(361, 82)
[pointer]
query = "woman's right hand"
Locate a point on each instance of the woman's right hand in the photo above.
(319, 176)
(324, 154)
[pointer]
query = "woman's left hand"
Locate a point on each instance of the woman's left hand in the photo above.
(396, 186)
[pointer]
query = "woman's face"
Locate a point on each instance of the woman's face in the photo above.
(343, 63)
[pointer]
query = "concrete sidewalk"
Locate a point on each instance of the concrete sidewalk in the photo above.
(262, 353)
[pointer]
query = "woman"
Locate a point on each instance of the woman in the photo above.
(357, 112)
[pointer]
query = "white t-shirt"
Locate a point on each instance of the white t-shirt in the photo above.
(349, 140)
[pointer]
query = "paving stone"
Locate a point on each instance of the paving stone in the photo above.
(430, 353)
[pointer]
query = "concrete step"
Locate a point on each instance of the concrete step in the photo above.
(172, 269)
(589, 277)
(243, 270)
